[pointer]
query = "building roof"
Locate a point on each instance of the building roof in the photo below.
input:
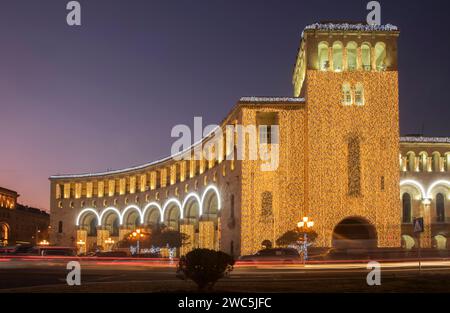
(242, 101)
(271, 100)
(423, 139)
(8, 191)
(32, 210)
(352, 26)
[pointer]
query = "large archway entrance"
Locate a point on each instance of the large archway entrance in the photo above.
(354, 233)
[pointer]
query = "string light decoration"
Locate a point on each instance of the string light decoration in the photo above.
(286, 183)
(316, 174)
(376, 125)
(206, 234)
(187, 229)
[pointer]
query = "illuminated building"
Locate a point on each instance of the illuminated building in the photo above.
(19, 223)
(338, 163)
(425, 190)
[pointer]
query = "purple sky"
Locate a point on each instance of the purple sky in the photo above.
(106, 94)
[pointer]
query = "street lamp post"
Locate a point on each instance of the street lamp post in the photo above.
(304, 225)
(137, 234)
(81, 244)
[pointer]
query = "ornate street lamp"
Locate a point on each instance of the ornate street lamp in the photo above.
(304, 226)
(137, 234)
(44, 243)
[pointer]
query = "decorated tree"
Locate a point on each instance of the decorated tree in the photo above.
(168, 237)
(296, 237)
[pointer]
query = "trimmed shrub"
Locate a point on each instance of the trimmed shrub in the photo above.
(205, 267)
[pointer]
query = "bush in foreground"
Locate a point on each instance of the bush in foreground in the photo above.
(205, 267)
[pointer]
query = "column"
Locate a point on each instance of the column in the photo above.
(372, 59)
(188, 229)
(206, 234)
(218, 234)
(123, 232)
(425, 237)
(359, 66)
(102, 235)
(330, 58)
(344, 58)
(81, 238)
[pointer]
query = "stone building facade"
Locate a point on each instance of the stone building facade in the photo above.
(338, 150)
(20, 224)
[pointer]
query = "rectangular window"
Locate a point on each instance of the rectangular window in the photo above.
(163, 174)
(58, 191)
(268, 127)
(101, 189)
(111, 187)
(153, 180)
(132, 184)
(202, 165)
(122, 186)
(67, 191)
(359, 94)
(173, 174)
(264, 134)
(192, 167)
(347, 96)
(77, 190)
(89, 189)
(143, 182)
(211, 156)
(182, 171)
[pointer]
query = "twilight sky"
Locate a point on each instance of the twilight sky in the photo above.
(106, 95)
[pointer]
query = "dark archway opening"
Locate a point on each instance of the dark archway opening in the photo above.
(354, 233)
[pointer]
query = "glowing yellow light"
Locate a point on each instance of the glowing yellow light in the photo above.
(109, 241)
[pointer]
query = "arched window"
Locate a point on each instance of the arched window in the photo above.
(359, 94)
(436, 162)
(347, 98)
(352, 56)
(380, 56)
(337, 56)
(411, 159)
(423, 159)
(406, 208)
(324, 62)
(440, 208)
(60, 227)
(366, 57)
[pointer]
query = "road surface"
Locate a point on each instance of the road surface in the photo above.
(108, 275)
